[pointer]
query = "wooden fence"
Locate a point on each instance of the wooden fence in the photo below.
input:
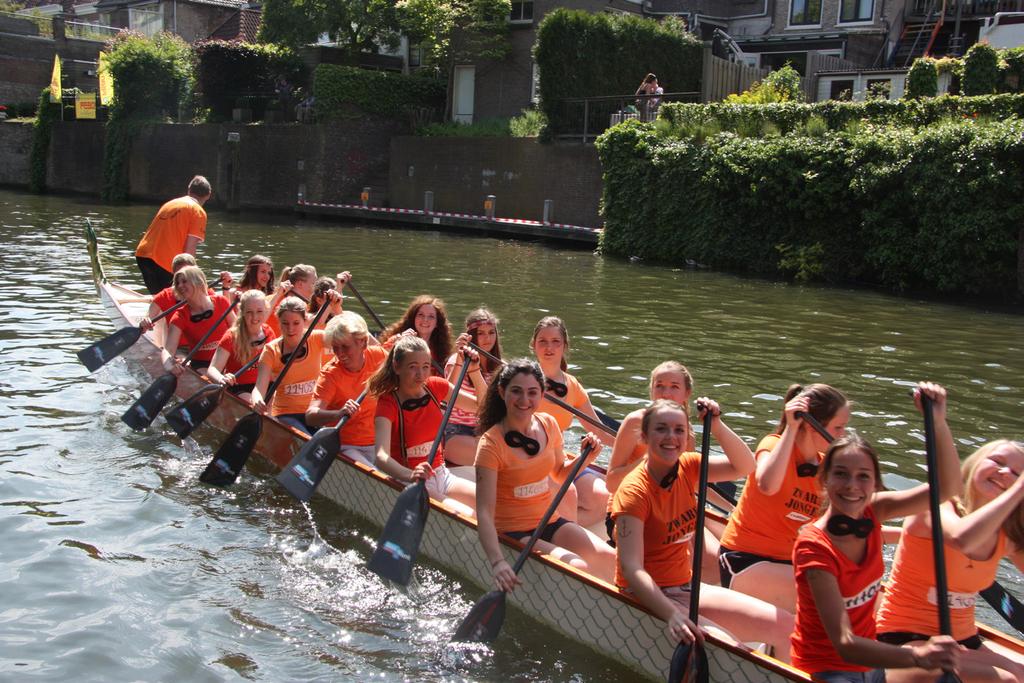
(722, 78)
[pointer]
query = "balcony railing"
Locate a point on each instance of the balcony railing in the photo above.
(86, 31)
(970, 8)
(584, 118)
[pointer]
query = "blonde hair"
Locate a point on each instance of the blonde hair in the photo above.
(386, 377)
(672, 366)
(192, 275)
(239, 330)
(348, 324)
(291, 304)
(968, 502)
(182, 260)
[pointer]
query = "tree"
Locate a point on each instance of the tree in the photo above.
(356, 25)
(451, 32)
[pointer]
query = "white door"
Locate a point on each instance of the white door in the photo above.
(465, 85)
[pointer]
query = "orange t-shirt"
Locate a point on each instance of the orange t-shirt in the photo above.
(768, 525)
(337, 385)
(420, 425)
(173, 224)
(524, 488)
(859, 584)
(296, 391)
(909, 603)
(669, 517)
(192, 332)
(227, 342)
(576, 397)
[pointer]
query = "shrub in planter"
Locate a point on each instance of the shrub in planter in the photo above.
(981, 70)
(922, 79)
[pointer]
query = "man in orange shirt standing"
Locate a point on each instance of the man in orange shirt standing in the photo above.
(178, 227)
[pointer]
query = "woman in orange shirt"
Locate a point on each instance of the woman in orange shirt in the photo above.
(781, 495)
(655, 512)
(837, 561)
(293, 396)
(409, 415)
(189, 323)
(240, 344)
(357, 356)
(426, 318)
(520, 452)
(550, 343)
(460, 438)
(980, 528)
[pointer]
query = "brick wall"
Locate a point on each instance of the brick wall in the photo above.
(26, 63)
(261, 170)
(15, 143)
(520, 172)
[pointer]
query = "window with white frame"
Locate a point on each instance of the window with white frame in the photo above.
(856, 10)
(522, 13)
(415, 55)
(805, 12)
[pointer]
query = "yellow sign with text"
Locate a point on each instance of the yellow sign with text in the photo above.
(85, 105)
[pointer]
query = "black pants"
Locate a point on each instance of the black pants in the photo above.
(156, 278)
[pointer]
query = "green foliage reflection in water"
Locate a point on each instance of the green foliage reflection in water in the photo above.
(42, 129)
(931, 209)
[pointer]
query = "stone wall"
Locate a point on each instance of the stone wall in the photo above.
(26, 63)
(520, 172)
(15, 145)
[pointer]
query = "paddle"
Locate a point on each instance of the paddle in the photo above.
(194, 410)
(369, 310)
(147, 406)
(690, 661)
(400, 541)
(999, 599)
(483, 623)
(938, 542)
(232, 455)
(610, 425)
(307, 469)
(96, 355)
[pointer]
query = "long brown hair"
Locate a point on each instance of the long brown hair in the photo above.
(300, 271)
(440, 342)
(482, 316)
(493, 409)
(240, 332)
(857, 442)
(823, 402)
(553, 321)
(968, 502)
(250, 279)
(386, 377)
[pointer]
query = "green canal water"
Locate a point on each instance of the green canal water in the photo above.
(118, 565)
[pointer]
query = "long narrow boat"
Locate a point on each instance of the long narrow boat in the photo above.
(573, 603)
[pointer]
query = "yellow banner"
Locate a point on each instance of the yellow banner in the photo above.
(55, 89)
(85, 105)
(106, 80)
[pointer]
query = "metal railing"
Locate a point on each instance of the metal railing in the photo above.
(969, 8)
(85, 31)
(585, 118)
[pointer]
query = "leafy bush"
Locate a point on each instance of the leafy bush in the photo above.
(1011, 68)
(981, 70)
(922, 79)
(580, 54)
(781, 85)
(340, 89)
(750, 120)
(529, 124)
(153, 77)
(845, 207)
(226, 70)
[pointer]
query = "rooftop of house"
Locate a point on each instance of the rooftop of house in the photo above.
(242, 25)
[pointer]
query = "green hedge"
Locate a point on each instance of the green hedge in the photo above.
(580, 54)
(226, 70)
(935, 209)
(339, 89)
(787, 116)
(42, 129)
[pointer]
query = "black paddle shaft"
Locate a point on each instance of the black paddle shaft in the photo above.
(369, 310)
(702, 499)
(938, 543)
(194, 410)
